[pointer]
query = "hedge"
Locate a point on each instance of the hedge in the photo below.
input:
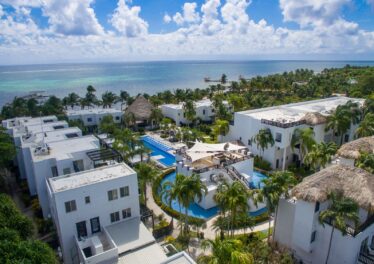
(170, 211)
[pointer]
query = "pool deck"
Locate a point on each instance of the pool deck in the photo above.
(209, 231)
(174, 145)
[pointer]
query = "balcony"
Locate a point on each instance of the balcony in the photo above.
(354, 231)
(97, 248)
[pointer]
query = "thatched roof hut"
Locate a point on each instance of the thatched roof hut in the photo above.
(314, 118)
(354, 183)
(141, 108)
(351, 150)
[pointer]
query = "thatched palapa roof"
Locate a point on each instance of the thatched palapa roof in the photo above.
(314, 118)
(351, 150)
(141, 108)
(354, 183)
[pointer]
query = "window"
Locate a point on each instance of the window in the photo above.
(278, 137)
(204, 112)
(126, 213)
(213, 110)
(277, 164)
(47, 121)
(114, 217)
(66, 171)
(58, 127)
(346, 138)
(54, 171)
(249, 142)
(316, 208)
(124, 191)
(117, 117)
(313, 237)
(81, 229)
(78, 165)
(95, 225)
(112, 195)
(89, 119)
(87, 199)
(71, 135)
(70, 206)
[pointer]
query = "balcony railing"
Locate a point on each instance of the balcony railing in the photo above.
(355, 231)
(282, 125)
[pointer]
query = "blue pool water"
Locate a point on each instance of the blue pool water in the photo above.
(257, 180)
(195, 210)
(159, 149)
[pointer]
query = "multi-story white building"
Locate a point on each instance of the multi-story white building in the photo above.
(59, 158)
(351, 151)
(282, 121)
(298, 227)
(96, 213)
(16, 123)
(92, 117)
(217, 162)
(204, 111)
(30, 142)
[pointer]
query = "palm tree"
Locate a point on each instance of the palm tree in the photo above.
(91, 98)
(141, 150)
(275, 187)
(146, 175)
(366, 127)
(366, 162)
(341, 211)
(234, 199)
(354, 110)
(339, 122)
(83, 103)
(124, 97)
(304, 139)
(228, 251)
(263, 139)
(221, 127)
(72, 99)
(129, 119)
(189, 110)
(108, 99)
(125, 142)
(190, 188)
(320, 154)
(156, 116)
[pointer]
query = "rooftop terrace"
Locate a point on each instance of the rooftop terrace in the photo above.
(92, 111)
(80, 179)
(64, 149)
(293, 113)
(51, 136)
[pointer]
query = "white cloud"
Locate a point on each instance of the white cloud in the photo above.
(210, 21)
(224, 28)
(126, 20)
(73, 17)
(167, 19)
(18, 3)
(189, 14)
(312, 12)
(1, 11)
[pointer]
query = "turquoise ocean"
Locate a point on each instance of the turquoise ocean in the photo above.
(139, 77)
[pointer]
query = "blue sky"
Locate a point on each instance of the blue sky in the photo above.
(36, 31)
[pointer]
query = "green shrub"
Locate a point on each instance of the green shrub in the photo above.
(262, 164)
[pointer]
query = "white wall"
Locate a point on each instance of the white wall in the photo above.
(99, 207)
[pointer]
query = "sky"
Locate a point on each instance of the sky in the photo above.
(62, 31)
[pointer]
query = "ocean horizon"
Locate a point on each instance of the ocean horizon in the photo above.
(141, 77)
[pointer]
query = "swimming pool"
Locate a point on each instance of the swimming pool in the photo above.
(194, 209)
(159, 151)
(257, 180)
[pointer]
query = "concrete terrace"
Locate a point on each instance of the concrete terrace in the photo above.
(80, 179)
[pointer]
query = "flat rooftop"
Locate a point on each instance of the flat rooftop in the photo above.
(93, 111)
(294, 112)
(37, 128)
(63, 149)
(38, 120)
(201, 103)
(51, 136)
(83, 178)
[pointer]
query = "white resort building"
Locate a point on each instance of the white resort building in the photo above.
(215, 163)
(297, 224)
(97, 216)
(204, 111)
(281, 122)
(92, 117)
(351, 151)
